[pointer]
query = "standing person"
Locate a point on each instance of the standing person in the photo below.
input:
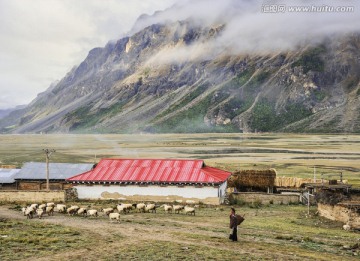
(233, 225)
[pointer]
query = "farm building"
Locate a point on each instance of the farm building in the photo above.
(32, 175)
(7, 180)
(253, 180)
(254, 186)
(152, 180)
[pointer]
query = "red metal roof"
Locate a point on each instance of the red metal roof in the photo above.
(153, 170)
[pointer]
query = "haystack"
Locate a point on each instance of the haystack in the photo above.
(253, 178)
(292, 182)
(7, 167)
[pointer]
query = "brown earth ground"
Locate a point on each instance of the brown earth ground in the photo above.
(268, 233)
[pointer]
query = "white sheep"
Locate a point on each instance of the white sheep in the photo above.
(140, 207)
(29, 212)
(189, 210)
(49, 210)
(168, 208)
(124, 207)
(347, 227)
(107, 211)
(82, 211)
(50, 204)
(178, 208)
(34, 206)
(40, 212)
(114, 216)
(72, 210)
(23, 210)
(61, 208)
(150, 207)
(127, 207)
(121, 208)
(92, 213)
(42, 206)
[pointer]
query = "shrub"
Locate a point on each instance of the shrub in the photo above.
(256, 204)
(329, 197)
(311, 60)
(236, 201)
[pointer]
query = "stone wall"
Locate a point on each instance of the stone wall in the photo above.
(340, 213)
(32, 196)
(264, 198)
(40, 185)
(71, 194)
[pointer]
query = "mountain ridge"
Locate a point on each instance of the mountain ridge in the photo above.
(164, 79)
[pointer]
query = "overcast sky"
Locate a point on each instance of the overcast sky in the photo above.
(41, 40)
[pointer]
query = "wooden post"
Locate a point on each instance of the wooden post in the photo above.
(308, 205)
(341, 177)
(48, 153)
(47, 173)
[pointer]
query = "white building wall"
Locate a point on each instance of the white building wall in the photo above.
(96, 191)
(163, 193)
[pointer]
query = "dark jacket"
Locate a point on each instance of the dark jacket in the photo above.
(233, 221)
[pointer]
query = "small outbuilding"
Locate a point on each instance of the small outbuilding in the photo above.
(32, 175)
(253, 180)
(164, 180)
(7, 178)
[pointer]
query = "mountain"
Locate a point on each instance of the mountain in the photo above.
(6, 112)
(171, 77)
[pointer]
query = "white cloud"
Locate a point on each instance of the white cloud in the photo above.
(41, 40)
(250, 30)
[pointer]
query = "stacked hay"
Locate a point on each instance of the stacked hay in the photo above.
(293, 182)
(252, 178)
(7, 167)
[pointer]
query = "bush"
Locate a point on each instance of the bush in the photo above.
(256, 204)
(329, 197)
(236, 201)
(311, 60)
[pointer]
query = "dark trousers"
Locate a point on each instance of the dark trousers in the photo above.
(233, 236)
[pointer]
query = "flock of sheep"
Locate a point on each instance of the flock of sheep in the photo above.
(40, 210)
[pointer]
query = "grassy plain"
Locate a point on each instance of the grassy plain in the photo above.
(272, 232)
(268, 233)
(292, 155)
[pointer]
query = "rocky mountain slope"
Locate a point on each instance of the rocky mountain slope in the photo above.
(163, 79)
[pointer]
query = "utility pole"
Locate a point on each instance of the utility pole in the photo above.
(48, 153)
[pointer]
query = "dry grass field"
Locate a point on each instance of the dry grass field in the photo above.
(268, 233)
(290, 154)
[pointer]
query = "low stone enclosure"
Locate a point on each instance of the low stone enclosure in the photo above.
(71, 194)
(265, 198)
(345, 212)
(38, 196)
